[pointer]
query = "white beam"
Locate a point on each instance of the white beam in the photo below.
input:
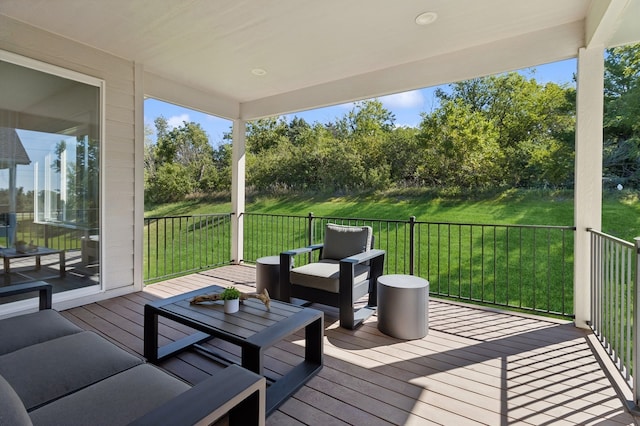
(189, 97)
(550, 45)
(238, 190)
(603, 20)
(588, 172)
(628, 31)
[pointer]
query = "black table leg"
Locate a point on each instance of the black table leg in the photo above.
(252, 359)
(313, 342)
(150, 334)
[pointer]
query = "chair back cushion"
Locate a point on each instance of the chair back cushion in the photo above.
(342, 241)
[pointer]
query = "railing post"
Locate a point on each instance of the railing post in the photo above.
(310, 235)
(412, 245)
(636, 329)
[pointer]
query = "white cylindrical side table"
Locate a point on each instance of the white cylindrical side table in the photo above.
(403, 306)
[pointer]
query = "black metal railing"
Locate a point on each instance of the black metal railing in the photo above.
(177, 245)
(614, 303)
(525, 267)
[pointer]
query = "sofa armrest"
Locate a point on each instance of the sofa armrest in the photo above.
(234, 390)
(44, 289)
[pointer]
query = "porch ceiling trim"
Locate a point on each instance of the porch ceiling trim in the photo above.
(549, 45)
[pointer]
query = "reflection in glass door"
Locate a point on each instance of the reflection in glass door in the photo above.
(50, 121)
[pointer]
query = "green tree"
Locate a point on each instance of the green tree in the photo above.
(367, 118)
(187, 146)
(265, 134)
(150, 158)
(460, 147)
(172, 182)
(299, 131)
(403, 154)
(366, 130)
(522, 118)
(621, 113)
(222, 162)
(82, 201)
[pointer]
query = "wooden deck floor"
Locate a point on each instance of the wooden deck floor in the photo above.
(474, 367)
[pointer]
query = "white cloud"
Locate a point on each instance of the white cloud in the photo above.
(410, 99)
(177, 120)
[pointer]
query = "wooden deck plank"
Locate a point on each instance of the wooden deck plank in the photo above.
(475, 366)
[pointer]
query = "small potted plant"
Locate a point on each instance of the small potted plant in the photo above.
(231, 297)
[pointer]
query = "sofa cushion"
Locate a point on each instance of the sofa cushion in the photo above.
(117, 400)
(342, 241)
(26, 330)
(12, 411)
(49, 370)
(325, 275)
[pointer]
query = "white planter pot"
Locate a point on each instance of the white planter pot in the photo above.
(231, 306)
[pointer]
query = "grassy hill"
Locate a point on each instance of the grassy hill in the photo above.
(621, 209)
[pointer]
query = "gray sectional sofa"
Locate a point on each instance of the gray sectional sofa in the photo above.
(52, 372)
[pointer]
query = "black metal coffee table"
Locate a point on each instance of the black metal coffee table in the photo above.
(253, 329)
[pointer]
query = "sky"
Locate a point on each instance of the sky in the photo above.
(405, 106)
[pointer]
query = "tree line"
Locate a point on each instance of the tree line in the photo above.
(505, 130)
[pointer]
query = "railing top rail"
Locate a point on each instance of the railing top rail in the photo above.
(503, 225)
(360, 219)
(351, 219)
(280, 215)
(187, 216)
(611, 238)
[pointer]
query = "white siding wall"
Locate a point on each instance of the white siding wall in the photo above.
(118, 149)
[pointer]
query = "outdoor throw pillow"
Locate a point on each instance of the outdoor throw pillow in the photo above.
(342, 241)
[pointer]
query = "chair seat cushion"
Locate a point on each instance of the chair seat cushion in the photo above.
(325, 275)
(52, 369)
(37, 327)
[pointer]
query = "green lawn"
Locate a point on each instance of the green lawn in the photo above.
(621, 209)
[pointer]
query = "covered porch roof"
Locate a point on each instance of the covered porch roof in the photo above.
(245, 59)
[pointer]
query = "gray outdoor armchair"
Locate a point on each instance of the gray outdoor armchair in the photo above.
(347, 269)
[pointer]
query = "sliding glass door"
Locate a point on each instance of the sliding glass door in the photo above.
(50, 138)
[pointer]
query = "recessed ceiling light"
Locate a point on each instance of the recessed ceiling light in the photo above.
(258, 71)
(426, 18)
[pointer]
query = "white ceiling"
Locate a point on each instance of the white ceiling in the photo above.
(322, 52)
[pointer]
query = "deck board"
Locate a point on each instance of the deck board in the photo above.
(475, 366)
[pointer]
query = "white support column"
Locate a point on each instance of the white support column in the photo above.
(238, 190)
(138, 189)
(588, 172)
